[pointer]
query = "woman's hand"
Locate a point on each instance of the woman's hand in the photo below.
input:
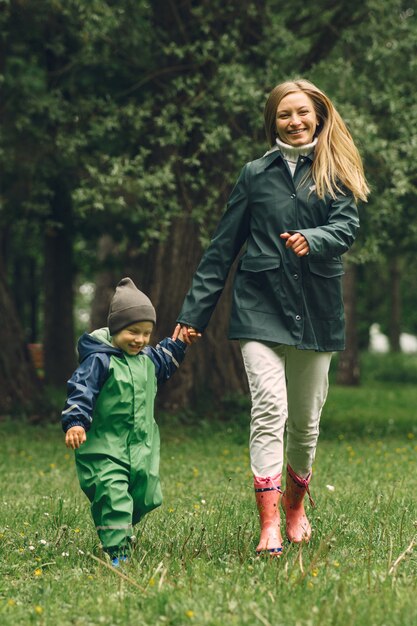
(187, 334)
(297, 243)
(75, 436)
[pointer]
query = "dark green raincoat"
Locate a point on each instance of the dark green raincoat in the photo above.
(277, 296)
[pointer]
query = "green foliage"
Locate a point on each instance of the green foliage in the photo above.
(370, 73)
(389, 368)
(149, 110)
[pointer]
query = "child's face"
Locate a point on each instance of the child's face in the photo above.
(133, 338)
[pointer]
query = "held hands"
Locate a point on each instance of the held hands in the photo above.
(297, 243)
(187, 334)
(74, 437)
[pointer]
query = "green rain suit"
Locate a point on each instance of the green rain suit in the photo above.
(111, 394)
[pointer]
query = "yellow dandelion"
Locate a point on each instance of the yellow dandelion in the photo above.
(38, 610)
(76, 530)
(11, 602)
(410, 435)
(189, 614)
(336, 563)
(171, 510)
(315, 572)
(196, 506)
(38, 571)
(195, 472)
(226, 452)
(52, 465)
(310, 585)
(151, 582)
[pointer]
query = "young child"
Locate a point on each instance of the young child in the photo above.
(108, 418)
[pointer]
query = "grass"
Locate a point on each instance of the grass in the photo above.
(193, 561)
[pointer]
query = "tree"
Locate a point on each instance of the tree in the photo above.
(348, 372)
(61, 60)
(19, 386)
(126, 124)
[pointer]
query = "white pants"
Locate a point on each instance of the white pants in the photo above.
(288, 387)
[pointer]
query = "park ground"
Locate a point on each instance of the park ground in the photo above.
(193, 561)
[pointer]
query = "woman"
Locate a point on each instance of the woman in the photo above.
(295, 212)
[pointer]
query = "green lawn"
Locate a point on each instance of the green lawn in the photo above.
(194, 557)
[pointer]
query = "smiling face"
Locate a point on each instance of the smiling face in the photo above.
(296, 119)
(133, 338)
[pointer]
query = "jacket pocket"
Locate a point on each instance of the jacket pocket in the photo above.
(260, 263)
(323, 289)
(326, 269)
(258, 283)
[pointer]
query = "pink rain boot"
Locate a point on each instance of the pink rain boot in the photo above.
(268, 495)
(297, 525)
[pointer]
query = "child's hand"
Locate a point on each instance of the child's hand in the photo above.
(74, 437)
(187, 334)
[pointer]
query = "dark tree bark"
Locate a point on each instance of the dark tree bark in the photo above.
(395, 301)
(20, 389)
(59, 350)
(33, 303)
(26, 296)
(105, 281)
(349, 368)
(213, 367)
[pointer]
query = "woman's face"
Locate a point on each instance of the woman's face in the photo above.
(296, 119)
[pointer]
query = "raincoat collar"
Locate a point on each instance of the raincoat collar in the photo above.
(97, 341)
(273, 154)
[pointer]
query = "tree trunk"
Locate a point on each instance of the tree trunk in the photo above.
(33, 298)
(105, 281)
(213, 368)
(59, 350)
(20, 389)
(395, 313)
(348, 372)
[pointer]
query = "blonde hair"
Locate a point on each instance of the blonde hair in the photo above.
(337, 162)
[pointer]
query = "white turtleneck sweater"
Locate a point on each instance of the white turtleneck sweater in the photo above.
(292, 153)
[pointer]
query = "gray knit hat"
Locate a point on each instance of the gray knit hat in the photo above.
(129, 305)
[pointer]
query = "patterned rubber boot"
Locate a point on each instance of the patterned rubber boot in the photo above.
(268, 495)
(298, 527)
